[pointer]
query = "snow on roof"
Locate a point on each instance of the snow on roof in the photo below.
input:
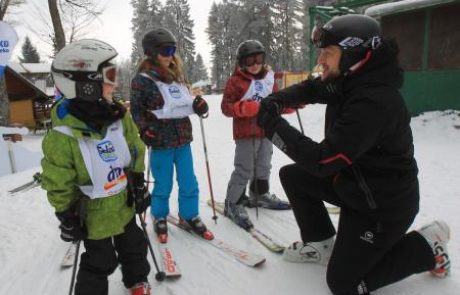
(50, 91)
(34, 68)
(401, 6)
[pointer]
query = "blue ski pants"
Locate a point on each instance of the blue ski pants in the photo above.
(162, 163)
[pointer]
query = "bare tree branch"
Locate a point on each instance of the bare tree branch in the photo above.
(11, 4)
(59, 35)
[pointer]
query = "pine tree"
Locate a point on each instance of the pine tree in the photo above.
(224, 28)
(200, 71)
(286, 34)
(29, 52)
(124, 77)
(303, 57)
(257, 22)
(177, 19)
(213, 31)
(147, 15)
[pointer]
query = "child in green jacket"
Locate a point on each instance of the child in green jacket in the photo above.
(89, 155)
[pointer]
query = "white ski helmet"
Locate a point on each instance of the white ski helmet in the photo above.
(77, 68)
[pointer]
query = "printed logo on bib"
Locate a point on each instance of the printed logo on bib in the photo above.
(106, 151)
(115, 176)
(174, 91)
(257, 97)
(258, 86)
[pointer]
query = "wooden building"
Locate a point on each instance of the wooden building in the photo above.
(29, 105)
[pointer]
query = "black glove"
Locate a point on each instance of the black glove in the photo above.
(269, 115)
(71, 229)
(137, 192)
(200, 106)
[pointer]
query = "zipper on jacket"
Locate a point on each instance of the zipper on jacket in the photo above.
(367, 191)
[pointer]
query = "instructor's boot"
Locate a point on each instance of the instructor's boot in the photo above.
(437, 234)
(313, 252)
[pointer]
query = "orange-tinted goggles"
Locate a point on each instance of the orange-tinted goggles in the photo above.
(317, 36)
(109, 75)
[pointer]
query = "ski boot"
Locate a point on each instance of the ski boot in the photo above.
(197, 226)
(142, 288)
(437, 234)
(237, 213)
(160, 226)
(313, 252)
(267, 201)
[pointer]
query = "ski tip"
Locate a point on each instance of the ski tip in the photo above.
(261, 262)
(66, 266)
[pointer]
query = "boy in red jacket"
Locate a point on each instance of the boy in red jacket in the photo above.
(251, 81)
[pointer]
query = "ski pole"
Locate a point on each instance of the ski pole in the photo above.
(256, 184)
(160, 275)
(147, 179)
(300, 121)
(74, 269)
(203, 137)
(81, 214)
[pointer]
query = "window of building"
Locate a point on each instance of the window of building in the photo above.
(444, 52)
(408, 29)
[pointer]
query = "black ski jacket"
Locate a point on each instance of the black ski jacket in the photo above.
(368, 144)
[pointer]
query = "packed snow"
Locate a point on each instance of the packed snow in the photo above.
(31, 250)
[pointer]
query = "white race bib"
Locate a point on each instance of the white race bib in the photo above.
(105, 160)
(259, 89)
(177, 100)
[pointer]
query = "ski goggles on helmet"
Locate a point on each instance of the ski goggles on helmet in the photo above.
(317, 37)
(167, 51)
(109, 75)
(251, 60)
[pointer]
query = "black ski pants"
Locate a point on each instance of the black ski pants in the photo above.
(101, 259)
(368, 253)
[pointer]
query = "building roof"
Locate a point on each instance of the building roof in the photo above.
(19, 88)
(33, 68)
(402, 6)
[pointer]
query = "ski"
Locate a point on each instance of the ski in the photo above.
(247, 258)
(257, 234)
(169, 263)
(69, 257)
(37, 179)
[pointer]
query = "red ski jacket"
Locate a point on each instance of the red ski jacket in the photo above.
(237, 85)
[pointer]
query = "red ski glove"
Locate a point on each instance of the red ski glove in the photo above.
(246, 108)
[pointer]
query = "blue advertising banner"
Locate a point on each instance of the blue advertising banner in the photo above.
(8, 39)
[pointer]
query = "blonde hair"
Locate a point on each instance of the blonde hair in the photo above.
(175, 70)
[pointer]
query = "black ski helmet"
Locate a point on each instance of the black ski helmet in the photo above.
(355, 34)
(247, 48)
(156, 39)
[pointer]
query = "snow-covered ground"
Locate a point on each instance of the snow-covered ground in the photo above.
(31, 251)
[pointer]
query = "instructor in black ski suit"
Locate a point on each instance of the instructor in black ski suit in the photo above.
(365, 165)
